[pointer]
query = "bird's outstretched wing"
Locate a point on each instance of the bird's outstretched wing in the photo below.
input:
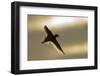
(58, 45)
(55, 42)
(47, 30)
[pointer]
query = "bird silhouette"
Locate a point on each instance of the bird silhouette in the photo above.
(52, 38)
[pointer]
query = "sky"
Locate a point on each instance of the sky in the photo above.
(73, 37)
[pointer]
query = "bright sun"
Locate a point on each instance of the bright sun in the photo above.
(61, 20)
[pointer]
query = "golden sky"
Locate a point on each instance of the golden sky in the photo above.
(72, 33)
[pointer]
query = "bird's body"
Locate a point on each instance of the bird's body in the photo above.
(52, 38)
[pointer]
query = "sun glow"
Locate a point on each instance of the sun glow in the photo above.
(54, 22)
(61, 20)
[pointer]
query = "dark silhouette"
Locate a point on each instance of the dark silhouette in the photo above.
(52, 38)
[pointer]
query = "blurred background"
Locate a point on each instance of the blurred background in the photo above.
(72, 38)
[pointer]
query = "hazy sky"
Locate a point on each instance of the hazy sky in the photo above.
(72, 38)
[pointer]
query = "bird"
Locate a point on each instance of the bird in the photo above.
(52, 38)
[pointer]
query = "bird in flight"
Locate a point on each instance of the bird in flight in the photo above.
(52, 38)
